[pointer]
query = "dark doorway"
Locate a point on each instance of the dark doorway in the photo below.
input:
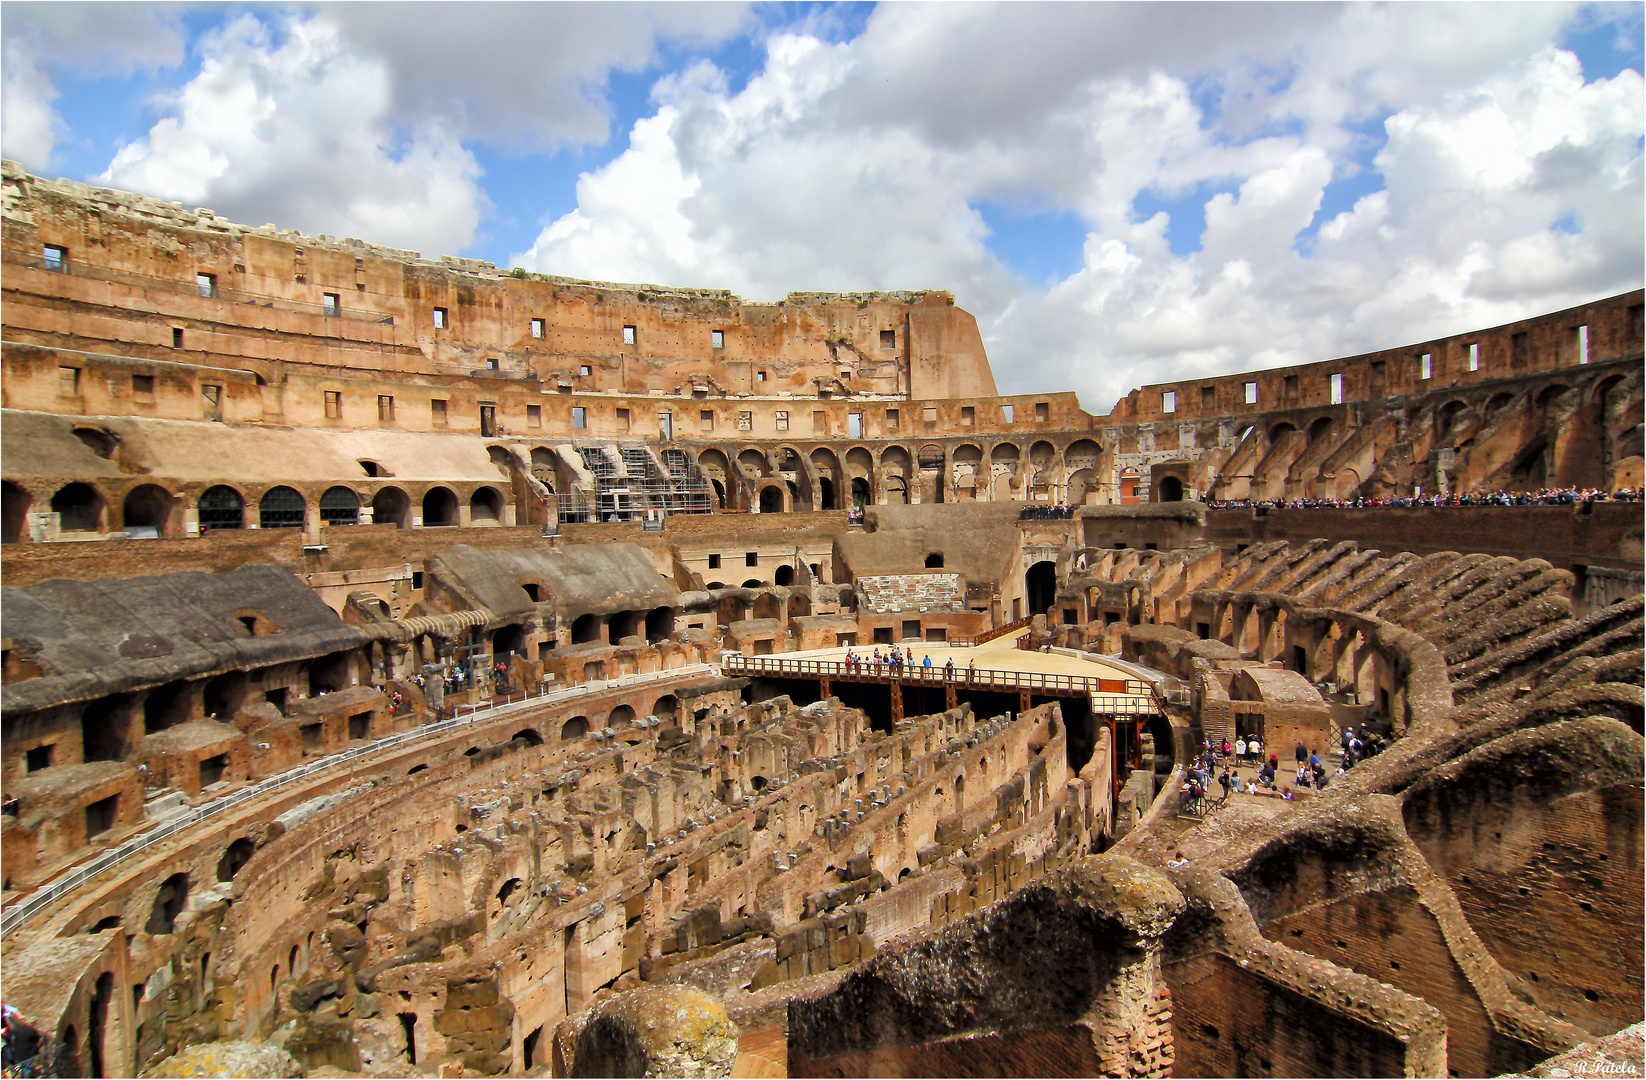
(15, 507)
(439, 508)
(771, 500)
(825, 493)
(168, 904)
(79, 508)
(389, 506)
(1041, 585)
(1171, 489)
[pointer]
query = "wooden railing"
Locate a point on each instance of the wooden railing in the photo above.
(1117, 695)
(990, 635)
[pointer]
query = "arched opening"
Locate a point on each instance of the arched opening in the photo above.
(1446, 418)
(14, 511)
(1170, 489)
(758, 783)
(485, 507)
(280, 508)
(102, 737)
(339, 506)
(1040, 583)
(624, 624)
(799, 606)
(1281, 430)
(934, 560)
(507, 639)
(221, 507)
(439, 508)
(783, 575)
(79, 508)
(754, 583)
(237, 854)
(1549, 393)
(1320, 429)
(389, 506)
(98, 1017)
(897, 491)
(620, 718)
(507, 890)
(168, 904)
(666, 707)
(825, 493)
(146, 511)
(771, 500)
(165, 706)
(1496, 403)
(860, 492)
(575, 728)
(585, 629)
(529, 736)
(224, 694)
(659, 624)
(719, 493)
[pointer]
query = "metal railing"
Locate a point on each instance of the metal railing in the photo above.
(16, 914)
(975, 678)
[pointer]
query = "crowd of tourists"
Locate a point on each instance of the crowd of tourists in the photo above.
(1221, 764)
(894, 661)
(1052, 512)
(1549, 496)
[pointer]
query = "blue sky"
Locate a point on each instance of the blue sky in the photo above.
(1119, 193)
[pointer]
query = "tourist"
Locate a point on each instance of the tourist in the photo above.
(1240, 749)
(1302, 753)
(1224, 781)
(908, 654)
(1226, 748)
(948, 668)
(1287, 795)
(1254, 748)
(1177, 861)
(927, 662)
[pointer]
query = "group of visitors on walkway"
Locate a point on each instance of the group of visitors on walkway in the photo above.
(1221, 764)
(1549, 496)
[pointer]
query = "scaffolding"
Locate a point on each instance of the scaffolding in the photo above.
(629, 485)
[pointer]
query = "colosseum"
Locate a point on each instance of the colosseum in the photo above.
(413, 668)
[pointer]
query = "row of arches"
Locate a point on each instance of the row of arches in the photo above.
(152, 509)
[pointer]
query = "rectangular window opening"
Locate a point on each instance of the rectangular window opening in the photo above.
(1474, 356)
(68, 381)
(142, 387)
(1289, 387)
(1168, 401)
(213, 396)
(437, 412)
(782, 420)
(629, 335)
(334, 404)
(888, 339)
(177, 337)
(929, 414)
(1580, 338)
(623, 420)
(207, 284)
(1426, 366)
(820, 422)
(968, 415)
(751, 558)
(331, 303)
(745, 421)
(705, 420)
(493, 363)
(717, 339)
(760, 376)
(440, 321)
(580, 418)
(537, 329)
(585, 369)
(1251, 393)
(1043, 409)
(56, 258)
(714, 562)
(891, 419)
(854, 425)
(1008, 412)
(534, 416)
(1337, 389)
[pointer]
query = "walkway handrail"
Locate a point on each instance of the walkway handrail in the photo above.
(16, 914)
(983, 678)
(989, 635)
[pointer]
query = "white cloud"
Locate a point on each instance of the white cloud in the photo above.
(297, 131)
(858, 166)
(112, 38)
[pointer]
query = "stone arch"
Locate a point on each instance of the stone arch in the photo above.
(169, 901)
(1082, 454)
(1005, 454)
(1346, 484)
(666, 706)
(586, 629)
(783, 575)
(1170, 489)
(542, 457)
(659, 624)
(234, 857)
(1496, 403)
(340, 506)
(1281, 430)
(530, 736)
(771, 499)
(1547, 394)
(439, 507)
(14, 511)
(753, 464)
(862, 492)
(281, 508)
(1446, 416)
(624, 624)
(148, 506)
(486, 506)
(575, 728)
(79, 506)
(390, 506)
(934, 560)
(221, 507)
(968, 469)
(1042, 454)
(1320, 428)
(1040, 586)
(620, 717)
(1603, 388)
(1081, 485)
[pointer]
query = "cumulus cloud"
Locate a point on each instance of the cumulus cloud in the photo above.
(294, 127)
(113, 38)
(1509, 184)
